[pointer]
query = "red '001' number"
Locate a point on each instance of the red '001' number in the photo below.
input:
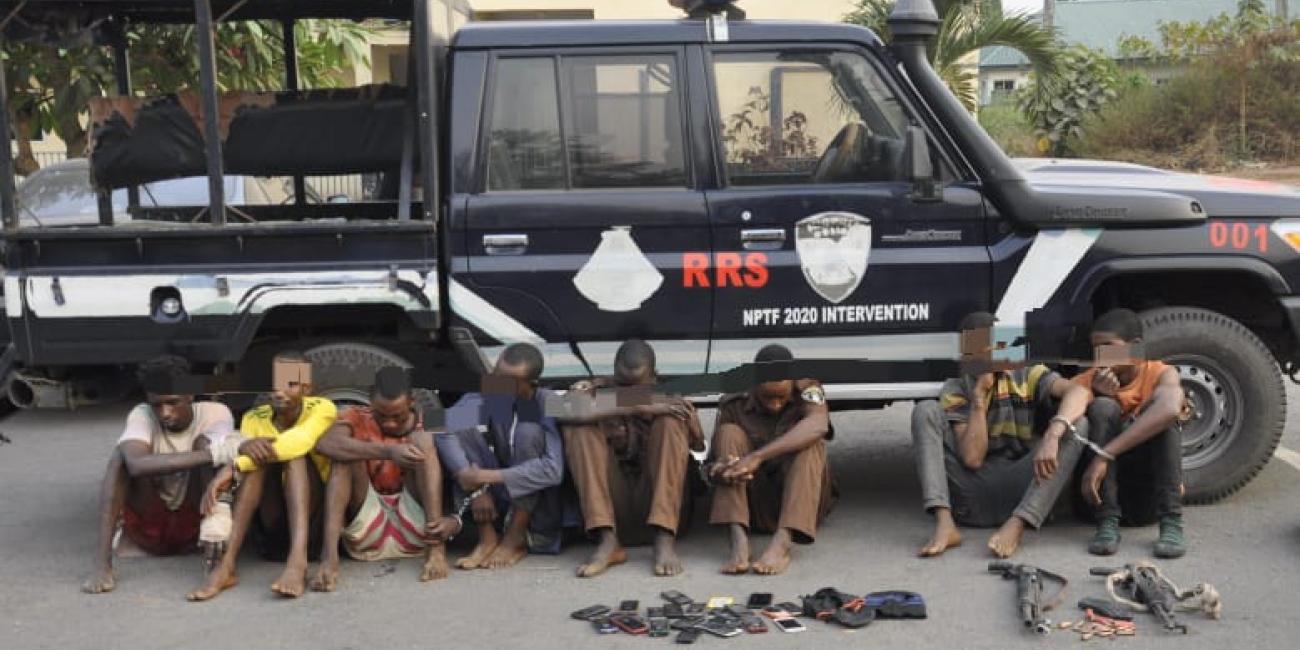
(1239, 236)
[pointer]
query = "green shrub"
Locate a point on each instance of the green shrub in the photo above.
(1009, 128)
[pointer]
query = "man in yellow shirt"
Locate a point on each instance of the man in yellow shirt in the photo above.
(280, 435)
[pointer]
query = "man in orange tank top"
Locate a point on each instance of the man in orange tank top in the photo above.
(386, 482)
(1133, 418)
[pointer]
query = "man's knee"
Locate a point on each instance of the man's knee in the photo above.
(424, 441)
(530, 440)
(1104, 408)
(927, 418)
(730, 439)
(200, 443)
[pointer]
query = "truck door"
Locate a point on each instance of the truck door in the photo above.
(586, 206)
(831, 255)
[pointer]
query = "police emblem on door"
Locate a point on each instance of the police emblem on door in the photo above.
(833, 248)
(618, 277)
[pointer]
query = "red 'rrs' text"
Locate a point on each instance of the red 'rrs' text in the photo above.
(724, 270)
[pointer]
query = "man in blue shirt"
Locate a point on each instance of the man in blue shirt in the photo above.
(501, 439)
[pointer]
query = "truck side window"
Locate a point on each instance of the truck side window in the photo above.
(807, 117)
(622, 118)
(524, 149)
(622, 123)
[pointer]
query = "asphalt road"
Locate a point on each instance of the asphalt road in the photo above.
(1247, 546)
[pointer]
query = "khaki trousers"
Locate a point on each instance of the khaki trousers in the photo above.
(793, 492)
(630, 498)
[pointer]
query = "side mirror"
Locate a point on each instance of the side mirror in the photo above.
(920, 167)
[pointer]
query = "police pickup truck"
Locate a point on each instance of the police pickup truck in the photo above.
(710, 184)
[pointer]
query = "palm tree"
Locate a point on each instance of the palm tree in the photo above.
(968, 26)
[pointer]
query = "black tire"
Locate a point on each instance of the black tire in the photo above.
(344, 372)
(1237, 388)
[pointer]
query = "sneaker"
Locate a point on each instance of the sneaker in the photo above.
(1106, 540)
(1171, 544)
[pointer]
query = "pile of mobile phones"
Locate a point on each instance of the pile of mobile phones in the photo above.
(720, 616)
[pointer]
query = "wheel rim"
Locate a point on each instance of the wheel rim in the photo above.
(1217, 409)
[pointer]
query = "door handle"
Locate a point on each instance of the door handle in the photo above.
(511, 244)
(762, 237)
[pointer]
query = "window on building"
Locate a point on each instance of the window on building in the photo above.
(1004, 86)
(621, 119)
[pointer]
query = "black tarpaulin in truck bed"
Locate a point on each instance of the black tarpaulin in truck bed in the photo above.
(329, 131)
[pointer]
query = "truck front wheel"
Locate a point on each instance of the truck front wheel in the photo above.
(1236, 392)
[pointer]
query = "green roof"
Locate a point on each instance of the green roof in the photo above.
(1099, 24)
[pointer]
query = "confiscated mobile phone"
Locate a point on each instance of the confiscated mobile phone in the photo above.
(676, 597)
(654, 612)
(719, 628)
(630, 623)
(629, 606)
(684, 623)
(673, 610)
(773, 612)
(788, 606)
(688, 635)
(589, 613)
(759, 600)
(604, 626)
(789, 625)
(755, 624)
(659, 627)
(737, 611)
(718, 602)
(695, 609)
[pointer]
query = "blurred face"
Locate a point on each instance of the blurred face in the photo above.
(395, 417)
(174, 412)
(291, 382)
(1109, 350)
(775, 395)
(513, 379)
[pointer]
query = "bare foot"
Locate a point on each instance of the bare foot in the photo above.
(666, 561)
(1006, 541)
(327, 575)
(101, 581)
(221, 579)
(609, 553)
(739, 562)
(777, 556)
(435, 564)
(508, 554)
(945, 536)
(292, 582)
(477, 558)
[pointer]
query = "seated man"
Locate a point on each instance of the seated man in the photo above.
(500, 439)
(158, 470)
(769, 465)
(384, 476)
(1134, 416)
(278, 481)
(984, 442)
(629, 462)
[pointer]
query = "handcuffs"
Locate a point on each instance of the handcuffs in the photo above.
(460, 510)
(1074, 431)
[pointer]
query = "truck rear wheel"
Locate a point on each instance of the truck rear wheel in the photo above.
(1237, 395)
(344, 372)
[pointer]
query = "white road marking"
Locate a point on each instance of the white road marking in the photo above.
(1287, 456)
